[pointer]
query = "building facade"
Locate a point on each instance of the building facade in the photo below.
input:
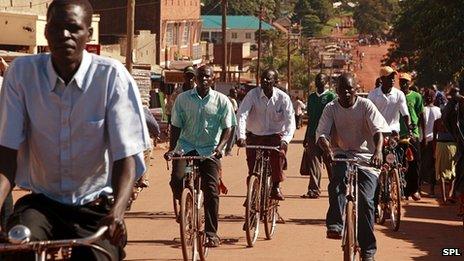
(240, 28)
(176, 24)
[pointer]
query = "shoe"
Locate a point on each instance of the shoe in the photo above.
(333, 234)
(277, 194)
(310, 194)
(416, 196)
(213, 241)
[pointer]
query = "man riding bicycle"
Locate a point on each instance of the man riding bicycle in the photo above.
(72, 132)
(352, 126)
(202, 119)
(266, 117)
(391, 103)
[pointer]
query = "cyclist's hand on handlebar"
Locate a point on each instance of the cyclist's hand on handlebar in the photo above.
(168, 155)
(241, 143)
(116, 232)
(328, 156)
(217, 153)
(377, 159)
(283, 147)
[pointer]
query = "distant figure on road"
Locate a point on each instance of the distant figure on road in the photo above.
(298, 107)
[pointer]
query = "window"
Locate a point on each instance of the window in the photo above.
(216, 37)
(248, 35)
(234, 35)
(186, 34)
(205, 36)
(170, 34)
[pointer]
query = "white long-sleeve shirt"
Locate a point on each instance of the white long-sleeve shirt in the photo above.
(263, 116)
(390, 105)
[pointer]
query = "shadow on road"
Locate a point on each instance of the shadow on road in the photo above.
(305, 221)
(430, 229)
(150, 215)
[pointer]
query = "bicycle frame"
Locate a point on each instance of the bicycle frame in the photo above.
(40, 248)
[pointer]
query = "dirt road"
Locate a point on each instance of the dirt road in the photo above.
(426, 228)
(370, 65)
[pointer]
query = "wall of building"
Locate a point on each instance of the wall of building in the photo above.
(21, 29)
(25, 6)
(234, 36)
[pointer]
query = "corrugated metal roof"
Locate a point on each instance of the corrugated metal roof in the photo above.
(234, 22)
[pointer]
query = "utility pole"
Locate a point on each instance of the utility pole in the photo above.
(259, 43)
(289, 72)
(130, 34)
(224, 41)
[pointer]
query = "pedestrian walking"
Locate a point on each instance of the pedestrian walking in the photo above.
(298, 107)
(316, 104)
(431, 114)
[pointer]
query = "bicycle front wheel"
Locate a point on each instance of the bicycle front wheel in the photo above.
(201, 238)
(270, 214)
(188, 236)
(349, 247)
(252, 211)
(395, 203)
(382, 207)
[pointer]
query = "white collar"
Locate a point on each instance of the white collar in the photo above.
(78, 77)
(324, 92)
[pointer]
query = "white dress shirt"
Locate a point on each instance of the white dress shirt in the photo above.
(390, 105)
(263, 116)
(68, 136)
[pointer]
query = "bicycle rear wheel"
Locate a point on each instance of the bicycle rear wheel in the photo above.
(252, 211)
(188, 236)
(270, 214)
(395, 203)
(349, 247)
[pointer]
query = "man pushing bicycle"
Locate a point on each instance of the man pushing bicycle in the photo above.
(352, 126)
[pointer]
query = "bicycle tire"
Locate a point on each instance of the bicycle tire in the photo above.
(252, 211)
(395, 203)
(202, 248)
(349, 248)
(175, 207)
(382, 206)
(270, 214)
(187, 227)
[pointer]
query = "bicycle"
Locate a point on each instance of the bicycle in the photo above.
(350, 243)
(19, 240)
(391, 184)
(258, 205)
(191, 215)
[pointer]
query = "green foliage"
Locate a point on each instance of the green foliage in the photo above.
(430, 39)
(313, 14)
(375, 16)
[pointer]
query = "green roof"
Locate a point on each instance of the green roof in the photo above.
(234, 22)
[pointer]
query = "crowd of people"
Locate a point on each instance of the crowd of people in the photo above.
(73, 131)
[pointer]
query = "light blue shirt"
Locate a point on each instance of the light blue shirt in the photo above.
(263, 116)
(201, 120)
(68, 137)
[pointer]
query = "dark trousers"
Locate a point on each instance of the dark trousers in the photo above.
(48, 219)
(337, 202)
(427, 165)
(278, 162)
(314, 159)
(412, 175)
(7, 210)
(209, 170)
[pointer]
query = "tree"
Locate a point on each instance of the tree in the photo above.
(374, 17)
(312, 14)
(429, 40)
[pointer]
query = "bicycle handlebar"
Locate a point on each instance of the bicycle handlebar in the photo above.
(352, 160)
(259, 147)
(191, 157)
(47, 244)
